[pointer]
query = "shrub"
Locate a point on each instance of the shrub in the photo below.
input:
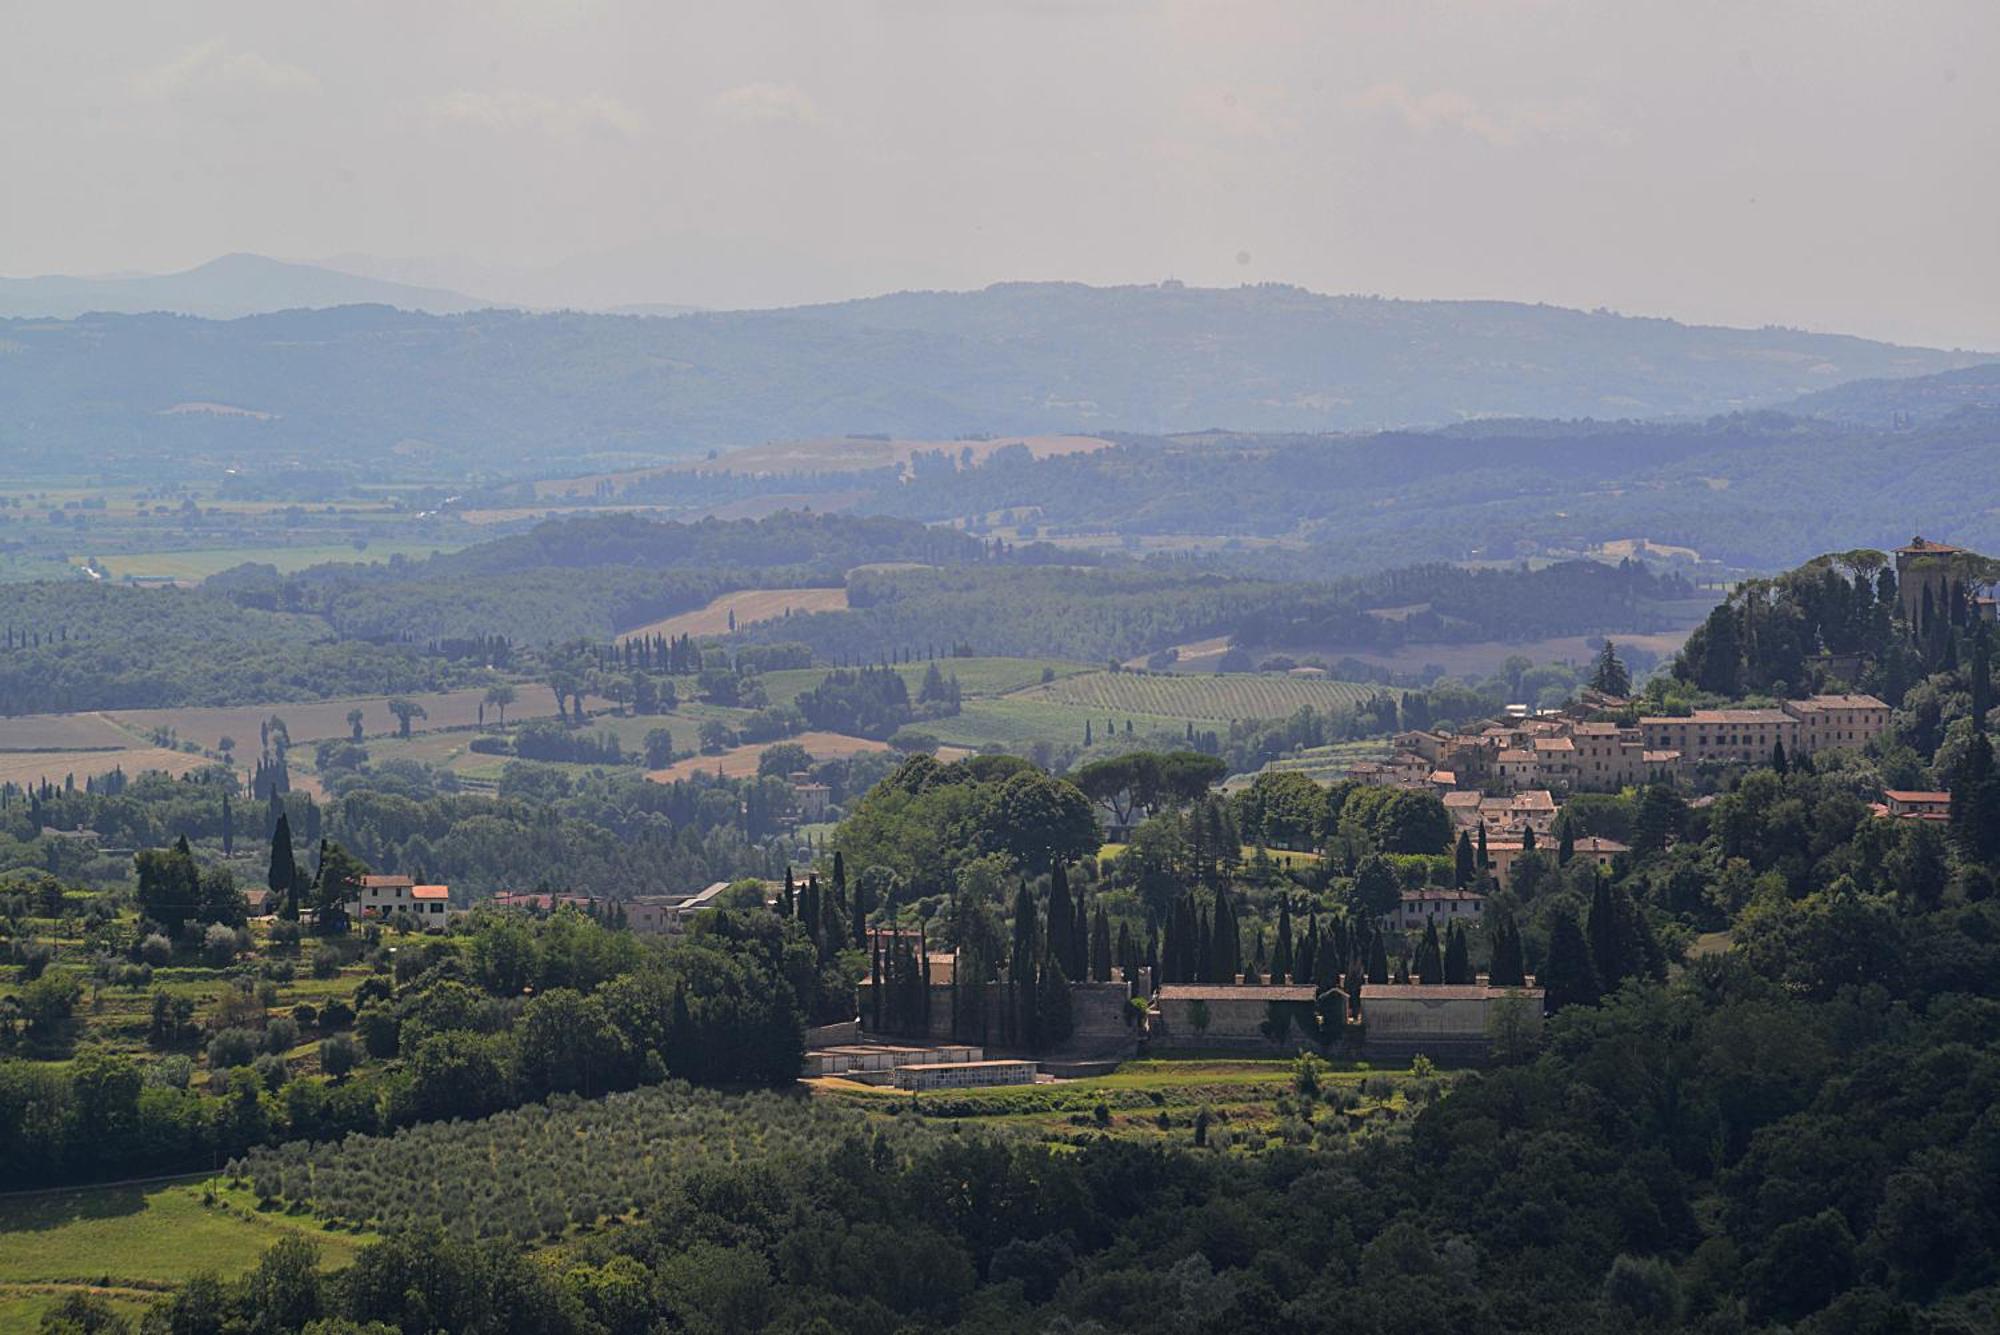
(281, 1034)
(271, 1071)
(172, 1072)
(285, 935)
(336, 1014)
(231, 1048)
(338, 1054)
(1644, 1289)
(218, 946)
(305, 1015)
(34, 957)
(156, 950)
(325, 963)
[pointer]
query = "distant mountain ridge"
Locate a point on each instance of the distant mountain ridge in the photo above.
(226, 288)
(514, 393)
(1883, 403)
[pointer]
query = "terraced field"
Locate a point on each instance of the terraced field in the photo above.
(1236, 695)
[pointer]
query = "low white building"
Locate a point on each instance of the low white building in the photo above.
(380, 897)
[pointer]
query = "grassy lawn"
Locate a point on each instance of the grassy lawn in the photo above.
(133, 1240)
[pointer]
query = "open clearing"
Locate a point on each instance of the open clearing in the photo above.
(1237, 695)
(134, 1239)
(750, 606)
(740, 761)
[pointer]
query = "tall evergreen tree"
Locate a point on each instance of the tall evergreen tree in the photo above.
(1610, 951)
(283, 876)
(1062, 917)
(1281, 950)
(1981, 670)
(228, 826)
(1100, 947)
(1608, 674)
(1430, 956)
(1565, 841)
(1569, 978)
(1485, 862)
(1508, 968)
(1457, 956)
(1464, 870)
(1378, 959)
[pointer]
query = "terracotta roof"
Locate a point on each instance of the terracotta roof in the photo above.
(1841, 702)
(1659, 757)
(385, 882)
(1597, 843)
(1908, 795)
(1440, 892)
(1466, 798)
(430, 892)
(1922, 546)
(1517, 757)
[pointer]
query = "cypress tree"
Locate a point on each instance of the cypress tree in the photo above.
(1485, 863)
(1306, 961)
(1565, 842)
(1062, 916)
(1079, 944)
(283, 876)
(1204, 948)
(1227, 950)
(1464, 870)
(1569, 978)
(1326, 969)
(1281, 950)
(1609, 955)
(1527, 839)
(1778, 761)
(1100, 948)
(1507, 969)
(1430, 957)
(789, 906)
(1378, 959)
(228, 826)
(1982, 676)
(1457, 956)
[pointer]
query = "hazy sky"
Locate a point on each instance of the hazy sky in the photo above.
(1833, 164)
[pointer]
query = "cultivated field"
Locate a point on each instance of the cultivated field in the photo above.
(1239, 695)
(312, 721)
(750, 606)
(26, 767)
(61, 732)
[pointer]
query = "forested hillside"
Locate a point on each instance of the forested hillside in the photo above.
(379, 391)
(1758, 490)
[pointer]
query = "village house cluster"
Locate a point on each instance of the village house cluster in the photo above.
(1566, 751)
